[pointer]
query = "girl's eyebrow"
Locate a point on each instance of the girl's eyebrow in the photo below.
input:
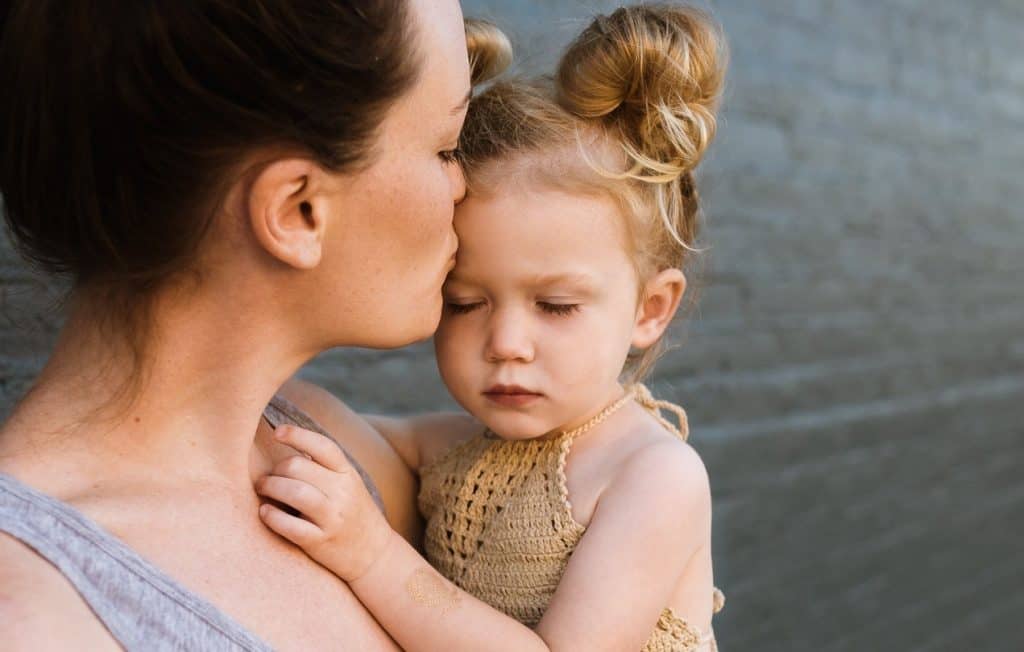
(580, 280)
(453, 277)
(587, 281)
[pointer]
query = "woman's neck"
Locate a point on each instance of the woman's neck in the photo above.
(207, 371)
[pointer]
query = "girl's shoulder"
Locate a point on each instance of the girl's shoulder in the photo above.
(666, 475)
(641, 466)
(440, 434)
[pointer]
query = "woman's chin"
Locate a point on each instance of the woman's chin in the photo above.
(402, 331)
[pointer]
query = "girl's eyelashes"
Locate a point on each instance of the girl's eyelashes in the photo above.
(461, 308)
(557, 309)
(560, 309)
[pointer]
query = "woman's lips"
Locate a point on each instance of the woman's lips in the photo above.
(511, 395)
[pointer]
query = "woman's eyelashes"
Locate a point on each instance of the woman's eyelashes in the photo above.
(450, 156)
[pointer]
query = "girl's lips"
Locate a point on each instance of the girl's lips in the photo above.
(511, 395)
(511, 400)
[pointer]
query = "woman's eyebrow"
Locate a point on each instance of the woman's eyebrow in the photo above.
(463, 104)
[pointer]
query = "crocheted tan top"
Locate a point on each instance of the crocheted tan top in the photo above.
(500, 525)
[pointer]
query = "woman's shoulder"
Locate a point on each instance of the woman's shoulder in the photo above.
(40, 609)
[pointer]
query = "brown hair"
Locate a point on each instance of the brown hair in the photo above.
(121, 133)
(634, 100)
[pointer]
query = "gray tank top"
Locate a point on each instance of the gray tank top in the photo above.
(142, 607)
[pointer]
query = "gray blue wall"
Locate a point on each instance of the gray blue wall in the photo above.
(855, 371)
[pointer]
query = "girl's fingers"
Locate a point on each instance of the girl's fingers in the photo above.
(302, 496)
(320, 448)
(297, 530)
(302, 468)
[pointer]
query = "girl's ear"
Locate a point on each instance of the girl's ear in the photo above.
(286, 213)
(658, 304)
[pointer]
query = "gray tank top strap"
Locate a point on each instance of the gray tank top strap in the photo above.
(143, 608)
(281, 410)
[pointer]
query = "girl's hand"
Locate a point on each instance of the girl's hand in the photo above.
(339, 524)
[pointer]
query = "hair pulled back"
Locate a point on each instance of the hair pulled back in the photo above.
(634, 99)
(124, 121)
(652, 75)
(490, 51)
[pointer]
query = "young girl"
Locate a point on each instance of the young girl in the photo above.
(567, 513)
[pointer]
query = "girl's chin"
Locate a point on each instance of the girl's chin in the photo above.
(512, 429)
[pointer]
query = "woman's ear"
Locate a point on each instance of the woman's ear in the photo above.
(658, 304)
(286, 213)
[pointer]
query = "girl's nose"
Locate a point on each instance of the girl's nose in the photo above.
(509, 340)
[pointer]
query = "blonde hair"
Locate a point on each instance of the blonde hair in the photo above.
(634, 100)
(490, 51)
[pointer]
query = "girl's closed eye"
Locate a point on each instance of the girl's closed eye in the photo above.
(559, 309)
(456, 308)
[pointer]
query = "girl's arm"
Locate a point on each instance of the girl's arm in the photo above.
(648, 524)
(422, 610)
(390, 449)
(344, 531)
(420, 439)
(649, 534)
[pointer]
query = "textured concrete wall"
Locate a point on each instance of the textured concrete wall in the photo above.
(855, 371)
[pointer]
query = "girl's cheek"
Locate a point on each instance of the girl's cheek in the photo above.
(453, 337)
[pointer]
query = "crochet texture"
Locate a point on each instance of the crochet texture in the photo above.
(500, 526)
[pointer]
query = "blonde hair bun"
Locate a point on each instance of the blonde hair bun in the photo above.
(654, 73)
(490, 51)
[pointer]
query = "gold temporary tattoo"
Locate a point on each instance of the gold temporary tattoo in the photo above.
(428, 588)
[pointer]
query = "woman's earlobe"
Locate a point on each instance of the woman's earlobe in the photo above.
(285, 214)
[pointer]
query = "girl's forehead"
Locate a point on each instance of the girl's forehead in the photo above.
(537, 211)
(539, 235)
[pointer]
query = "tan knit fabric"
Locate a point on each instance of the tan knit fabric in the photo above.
(500, 526)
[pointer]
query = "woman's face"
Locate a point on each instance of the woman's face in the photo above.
(388, 252)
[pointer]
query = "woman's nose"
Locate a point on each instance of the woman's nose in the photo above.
(509, 340)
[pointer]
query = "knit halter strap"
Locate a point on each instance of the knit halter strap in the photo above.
(654, 406)
(641, 395)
